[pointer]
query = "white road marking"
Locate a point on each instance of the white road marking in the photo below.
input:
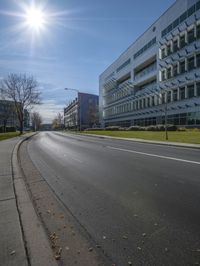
(155, 155)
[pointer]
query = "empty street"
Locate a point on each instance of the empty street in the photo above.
(139, 202)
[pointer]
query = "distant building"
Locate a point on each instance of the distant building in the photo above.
(8, 115)
(46, 127)
(82, 112)
(159, 71)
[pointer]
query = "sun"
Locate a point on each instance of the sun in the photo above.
(35, 18)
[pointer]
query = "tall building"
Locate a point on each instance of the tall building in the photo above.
(158, 73)
(82, 112)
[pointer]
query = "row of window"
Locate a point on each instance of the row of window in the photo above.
(178, 68)
(144, 48)
(183, 119)
(181, 41)
(124, 65)
(174, 95)
(121, 92)
(148, 69)
(189, 12)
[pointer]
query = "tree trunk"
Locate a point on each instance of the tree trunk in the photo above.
(4, 126)
(21, 122)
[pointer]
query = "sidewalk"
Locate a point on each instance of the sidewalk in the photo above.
(23, 240)
(12, 250)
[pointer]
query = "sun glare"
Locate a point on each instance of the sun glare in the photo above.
(35, 18)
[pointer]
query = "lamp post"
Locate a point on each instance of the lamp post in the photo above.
(79, 103)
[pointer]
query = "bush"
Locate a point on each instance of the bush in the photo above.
(171, 127)
(160, 127)
(181, 129)
(151, 128)
(113, 128)
(135, 128)
(8, 129)
(94, 129)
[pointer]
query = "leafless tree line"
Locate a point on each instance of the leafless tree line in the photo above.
(23, 91)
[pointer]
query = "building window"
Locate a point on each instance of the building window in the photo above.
(191, 37)
(163, 98)
(182, 67)
(183, 17)
(191, 10)
(176, 23)
(148, 102)
(198, 88)
(144, 105)
(198, 31)
(198, 60)
(190, 89)
(182, 93)
(169, 93)
(169, 73)
(182, 41)
(153, 100)
(175, 94)
(163, 54)
(140, 104)
(163, 75)
(190, 63)
(175, 70)
(169, 51)
(175, 46)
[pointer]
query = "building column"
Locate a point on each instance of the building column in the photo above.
(186, 92)
(178, 94)
(195, 89)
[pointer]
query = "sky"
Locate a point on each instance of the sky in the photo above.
(76, 42)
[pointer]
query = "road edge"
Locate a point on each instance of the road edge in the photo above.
(168, 143)
(36, 243)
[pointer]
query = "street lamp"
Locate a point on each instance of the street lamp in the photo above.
(79, 103)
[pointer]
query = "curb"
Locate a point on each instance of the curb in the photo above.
(175, 144)
(36, 243)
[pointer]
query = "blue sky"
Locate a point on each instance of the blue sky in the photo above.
(78, 42)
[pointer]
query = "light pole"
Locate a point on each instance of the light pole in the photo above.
(79, 103)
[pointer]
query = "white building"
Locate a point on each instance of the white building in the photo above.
(161, 69)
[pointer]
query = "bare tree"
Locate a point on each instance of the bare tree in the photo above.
(57, 122)
(36, 120)
(23, 90)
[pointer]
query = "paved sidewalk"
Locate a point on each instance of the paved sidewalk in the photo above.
(23, 240)
(12, 250)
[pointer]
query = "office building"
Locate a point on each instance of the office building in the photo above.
(8, 116)
(158, 73)
(82, 112)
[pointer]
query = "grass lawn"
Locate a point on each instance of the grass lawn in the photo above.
(188, 136)
(8, 135)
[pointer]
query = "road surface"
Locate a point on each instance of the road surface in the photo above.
(140, 202)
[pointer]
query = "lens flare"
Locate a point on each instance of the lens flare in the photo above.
(35, 18)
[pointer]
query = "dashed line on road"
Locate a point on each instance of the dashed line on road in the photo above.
(155, 155)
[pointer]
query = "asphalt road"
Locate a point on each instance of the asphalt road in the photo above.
(140, 202)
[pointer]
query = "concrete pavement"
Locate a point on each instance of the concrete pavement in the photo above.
(12, 249)
(23, 240)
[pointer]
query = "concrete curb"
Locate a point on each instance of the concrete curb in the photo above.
(168, 143)
(37, 245)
